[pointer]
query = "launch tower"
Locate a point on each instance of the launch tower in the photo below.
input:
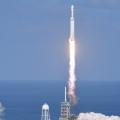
(65, 109)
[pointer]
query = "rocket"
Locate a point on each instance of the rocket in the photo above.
(72, 64)
(72, 26)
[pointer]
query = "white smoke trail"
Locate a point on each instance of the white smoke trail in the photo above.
(96, 116)
(72, 76)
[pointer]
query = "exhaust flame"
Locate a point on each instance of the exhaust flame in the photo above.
(72, 77)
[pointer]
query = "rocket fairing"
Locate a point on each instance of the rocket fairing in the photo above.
(72, 26)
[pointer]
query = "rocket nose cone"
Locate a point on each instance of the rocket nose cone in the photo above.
(72, 6)
(72, 11)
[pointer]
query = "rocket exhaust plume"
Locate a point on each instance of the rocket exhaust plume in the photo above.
(72, 76)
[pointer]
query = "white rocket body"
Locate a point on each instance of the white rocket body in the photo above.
(72, 26)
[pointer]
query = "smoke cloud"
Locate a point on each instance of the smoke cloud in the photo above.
(72, 76)
(96, 116)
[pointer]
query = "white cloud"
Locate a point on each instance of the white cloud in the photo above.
(96, 116)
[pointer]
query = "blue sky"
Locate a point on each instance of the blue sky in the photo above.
(34, 39)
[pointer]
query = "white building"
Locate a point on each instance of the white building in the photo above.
(45, 112)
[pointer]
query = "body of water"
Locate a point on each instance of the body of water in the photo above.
(23, 99)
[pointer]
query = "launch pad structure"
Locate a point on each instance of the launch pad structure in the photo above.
(66, 110)
(65, 113)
